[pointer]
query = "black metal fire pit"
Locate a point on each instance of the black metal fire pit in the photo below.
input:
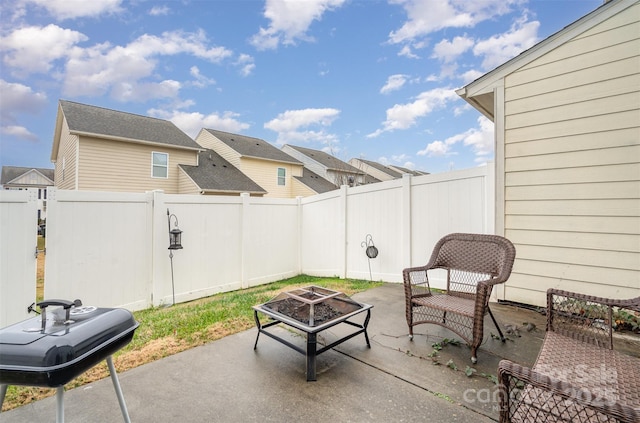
(312, 310)
(53, 349)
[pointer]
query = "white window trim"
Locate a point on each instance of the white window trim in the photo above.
(153, 165)
(284, 177)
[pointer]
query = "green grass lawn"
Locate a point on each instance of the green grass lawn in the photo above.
(166, 331)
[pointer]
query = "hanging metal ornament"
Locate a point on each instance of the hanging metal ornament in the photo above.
(371, 251)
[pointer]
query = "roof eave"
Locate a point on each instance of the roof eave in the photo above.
(135, 141)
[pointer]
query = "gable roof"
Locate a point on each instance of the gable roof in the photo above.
(382, 168)
(479, 93)
(315, 182)
(11, 173)
(213, 173)
(253, 147)
(326, 159)
(409, 171)
(122, 126)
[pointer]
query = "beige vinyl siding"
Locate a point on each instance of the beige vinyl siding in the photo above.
(107, 165)
(572, 165)
(186, 184)
(207, 140)
(67, 156)
(300, 190)
(265, 174)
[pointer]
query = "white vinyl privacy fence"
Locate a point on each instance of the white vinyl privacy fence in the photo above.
(110, 249)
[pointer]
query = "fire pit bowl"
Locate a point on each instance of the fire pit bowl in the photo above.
(313, 306)
(312, 309)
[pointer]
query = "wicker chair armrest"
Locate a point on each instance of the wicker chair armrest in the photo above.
(512, 376)
(631, 304)
(587, 317)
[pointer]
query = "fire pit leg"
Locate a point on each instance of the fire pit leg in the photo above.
(116, 386)
(311, 356)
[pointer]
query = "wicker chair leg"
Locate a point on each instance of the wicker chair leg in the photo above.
(502, 338)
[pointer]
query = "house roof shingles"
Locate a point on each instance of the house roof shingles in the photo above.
(327, 160)
(315, 182)
(99, 121)
(10, 173)
(214, 173)
(382, 168)
(253, 147)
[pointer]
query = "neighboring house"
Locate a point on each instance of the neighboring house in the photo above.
(567, 131)
(269, 167)
(327, 166)
(17, 178)
(404, 170)
(106, 150)
(376, 170)
(215, 176)
(311, 183)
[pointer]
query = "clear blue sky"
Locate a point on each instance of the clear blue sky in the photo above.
(356, 78)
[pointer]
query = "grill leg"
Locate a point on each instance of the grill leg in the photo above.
(60, 404)
(116, 386)
(3, 392)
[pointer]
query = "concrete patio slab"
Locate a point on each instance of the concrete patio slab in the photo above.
(394, 380)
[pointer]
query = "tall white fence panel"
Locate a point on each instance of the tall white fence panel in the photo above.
(98, 248)
(376, 211)
(323, 237)
(18, 245)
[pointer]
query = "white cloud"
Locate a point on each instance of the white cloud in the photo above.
(394, 83)
(426, 17)
(290, 21)
(18, 132)
(192, 123)
(18, 99)
(407, 52)
(480, 139)
(499, 49)
(246, 64)
(403, 116)
(447, 51)
(70, 9)
(291, 125)
(33, 49)
(399, 158)
(159, 11)
(200, 80)
(122, 70)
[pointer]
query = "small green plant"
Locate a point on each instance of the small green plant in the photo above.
(469, 371)
(492, 378)
(452, 365)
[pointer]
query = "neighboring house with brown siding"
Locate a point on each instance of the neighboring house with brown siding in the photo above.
(19, 178)
(567, 133)
(327, 166)
(101, 149)
(268, 166)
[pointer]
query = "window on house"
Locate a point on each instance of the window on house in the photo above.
(160, 165)
(282, 173)
(64, 166)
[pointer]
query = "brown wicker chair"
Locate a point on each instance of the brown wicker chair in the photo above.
(578, 376)
(474, 263)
